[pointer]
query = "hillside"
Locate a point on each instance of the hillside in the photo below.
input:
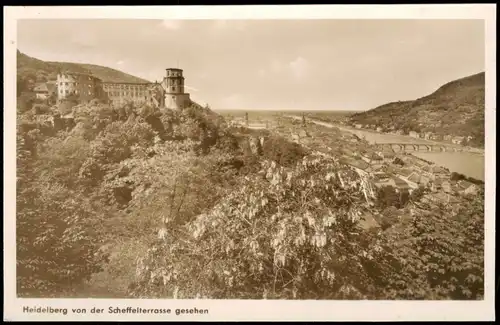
(40, 71)
(456, 108)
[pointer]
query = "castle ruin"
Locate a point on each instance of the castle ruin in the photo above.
(168, 94)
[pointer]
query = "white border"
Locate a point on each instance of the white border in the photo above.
(239, 309)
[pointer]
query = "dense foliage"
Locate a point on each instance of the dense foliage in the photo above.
(138, 202)
(439, 254)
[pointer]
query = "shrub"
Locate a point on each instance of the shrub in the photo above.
(438, 255)
(456, 176)
(41, 109)
(233, 256)
(417, 194)
(282, 151)
(25, 102)
(56, 245)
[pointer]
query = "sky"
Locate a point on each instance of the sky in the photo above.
(334, 64)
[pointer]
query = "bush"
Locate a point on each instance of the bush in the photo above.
(25, 102)
(234, 257)
(438, 255)
(282, 151)
(417, 194)
(387, 196)
(456, 176)
(398, 161)
(56, 242)
(41, 109)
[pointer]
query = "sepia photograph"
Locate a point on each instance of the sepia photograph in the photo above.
(248, 159)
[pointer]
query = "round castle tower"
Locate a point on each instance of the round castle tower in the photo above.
(173, 83)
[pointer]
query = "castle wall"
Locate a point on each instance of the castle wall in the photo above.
(122, 93)
(177, 101)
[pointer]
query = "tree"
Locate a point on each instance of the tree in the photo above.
(398, 161)
(438, 255)
(417, 194)
(57, 245)
(387, 196)
(314, 252)
(25, 102)
(456, 176)
(282, 151)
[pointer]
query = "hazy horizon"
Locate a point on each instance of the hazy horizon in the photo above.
(345, 65)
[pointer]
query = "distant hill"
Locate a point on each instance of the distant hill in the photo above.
(35, 70)
(456, 108)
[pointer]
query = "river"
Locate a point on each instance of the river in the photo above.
(466, 163)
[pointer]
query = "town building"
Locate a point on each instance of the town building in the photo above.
(414, 134)
(370, 157)
(388, 156)
(375, 168)
(425, 180)
(435, 185)
(41, 91)
(358, 164)
(399, 132)
(457, 140)
(441, 197)
(466, 187)
(404, 172)
(427, 135)
(446, 186)
(45, 90)
(404, 185)
(414, 178)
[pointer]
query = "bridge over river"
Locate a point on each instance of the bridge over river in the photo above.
(425, 147)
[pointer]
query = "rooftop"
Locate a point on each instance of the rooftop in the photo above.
(127, 83)
(89, 74)
(41, 87)
(464, 184)
(415, 178)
